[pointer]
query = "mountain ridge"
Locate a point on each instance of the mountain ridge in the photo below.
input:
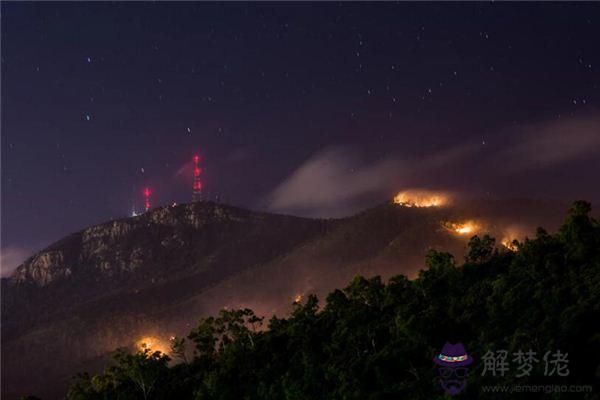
(190, 215)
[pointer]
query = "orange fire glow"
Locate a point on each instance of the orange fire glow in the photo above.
(509, 244)
(462, 228)
(298, 298)
(514, 233)
(153, 344)
(421, 198)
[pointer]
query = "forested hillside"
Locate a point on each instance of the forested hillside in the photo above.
(376, 340)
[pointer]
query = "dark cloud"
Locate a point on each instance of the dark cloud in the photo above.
(330, 181)
(550, 144)
(334, 182)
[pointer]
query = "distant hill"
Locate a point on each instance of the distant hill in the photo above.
(156, 274)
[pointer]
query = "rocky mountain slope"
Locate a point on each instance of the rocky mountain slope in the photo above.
(156, 274)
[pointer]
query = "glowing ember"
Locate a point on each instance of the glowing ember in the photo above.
(152, 344)
(420, 198)
(463, 228)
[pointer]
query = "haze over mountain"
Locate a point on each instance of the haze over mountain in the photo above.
(155, 274)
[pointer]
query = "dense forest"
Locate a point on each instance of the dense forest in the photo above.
(376, 340)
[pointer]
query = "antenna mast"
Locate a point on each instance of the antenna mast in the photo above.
(147, 192)
(197, 185)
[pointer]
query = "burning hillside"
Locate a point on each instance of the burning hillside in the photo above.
(421, 198)
(462, 228)
(154, 275)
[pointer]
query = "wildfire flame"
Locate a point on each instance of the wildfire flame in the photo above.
(297, 299)
(462, 228)
(509, 244)
(420, 198)
(153, 344)
(511, 234)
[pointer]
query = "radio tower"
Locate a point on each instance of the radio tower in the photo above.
(197, 185)
(147, 194)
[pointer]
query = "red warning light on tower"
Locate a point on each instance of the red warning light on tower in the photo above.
(197, 184)
(147, 192)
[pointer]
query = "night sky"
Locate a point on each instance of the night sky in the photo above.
(304, 108)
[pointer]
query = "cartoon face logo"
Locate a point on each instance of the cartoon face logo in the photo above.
(452, 368)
